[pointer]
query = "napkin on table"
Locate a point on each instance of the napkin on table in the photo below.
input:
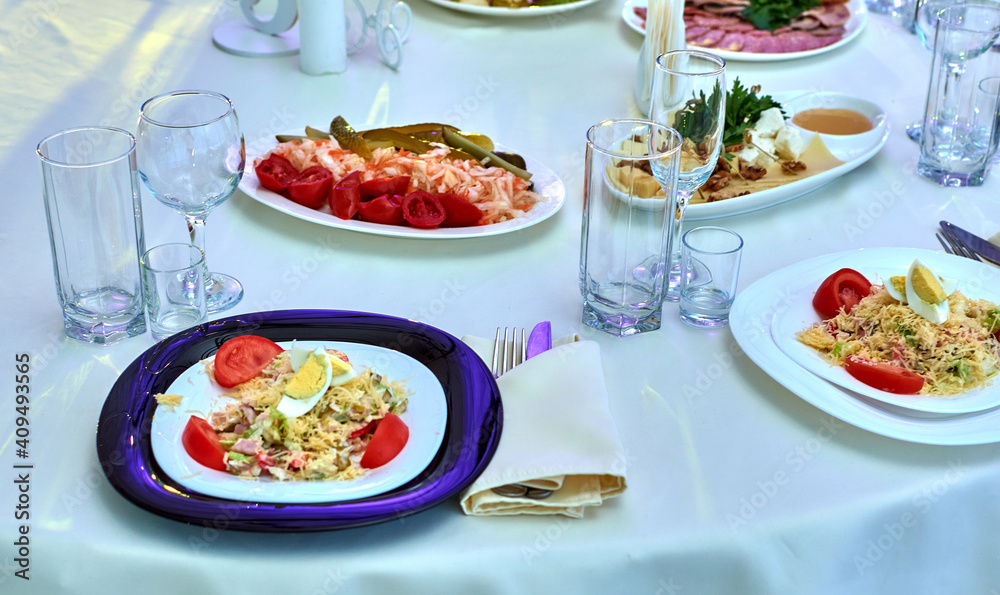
(558, 434)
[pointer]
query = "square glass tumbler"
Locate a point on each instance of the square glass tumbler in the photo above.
(625, 233)
(173, 277)
(713, 255)
(94, 215)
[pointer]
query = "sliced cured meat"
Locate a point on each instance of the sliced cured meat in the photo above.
(709, 39)
(695, 32)
(732, 42)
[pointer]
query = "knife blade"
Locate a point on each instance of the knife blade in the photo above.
(982, 247)
(540, 339)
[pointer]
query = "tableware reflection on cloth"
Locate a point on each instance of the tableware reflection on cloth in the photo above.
(173, 279)
(475, 419)
(573, 451)
(94, 218)
(956, 148)
(714, 254)
(191, 157)
(689, 95)
(751, 321)
(621, 236)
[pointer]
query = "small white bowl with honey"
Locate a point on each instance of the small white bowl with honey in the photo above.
(847, 124)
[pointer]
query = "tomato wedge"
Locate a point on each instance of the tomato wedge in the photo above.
(310, 187)
(423, 209)
(241, 358)
(887, 377)
(387, 210)
(841, 290)
(202, 443)
(458, 211)
(275, 172)
(388, 440)
(345, 195)
(377, 187)
(368, 427)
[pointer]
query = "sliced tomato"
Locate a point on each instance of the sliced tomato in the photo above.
(458, 211)
(841, 290)
(388, 440)
(311, 186)
(243, 357)
(885, 377)
(387, 210)
(395, 186)
(423, 209)
(202, 443)
(345, 196)
(275, 172)
(368, 427)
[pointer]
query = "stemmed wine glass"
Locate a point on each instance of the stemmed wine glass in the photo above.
(688, 94)
(925, 21)
(191, 155)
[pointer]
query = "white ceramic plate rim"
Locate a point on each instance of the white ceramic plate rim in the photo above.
(426, 416)
(755, 308)
(853, 150)
(853, 28)
(496, 11)
(801, 315)
(547, 184)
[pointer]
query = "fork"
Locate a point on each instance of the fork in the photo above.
(507, 355)
(953, 245)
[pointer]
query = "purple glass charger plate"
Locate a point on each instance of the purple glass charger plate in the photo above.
(475, 420)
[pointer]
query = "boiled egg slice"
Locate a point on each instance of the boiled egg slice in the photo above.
(896, 286)
(926, 293)
(310, 382)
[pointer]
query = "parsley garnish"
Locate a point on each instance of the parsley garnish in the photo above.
(743, 108)
(768, 15)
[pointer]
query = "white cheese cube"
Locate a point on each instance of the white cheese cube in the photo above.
(770, 122)
(788, 143)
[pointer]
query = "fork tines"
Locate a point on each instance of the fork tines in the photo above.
(506, 352)
(953, 245)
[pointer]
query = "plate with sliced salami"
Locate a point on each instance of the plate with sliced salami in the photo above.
(716, 26)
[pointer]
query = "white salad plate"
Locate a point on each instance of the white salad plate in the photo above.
(426, 415)
(546, 182)
(853, 28)
(770, 304)
(497, 11)
(854, 150)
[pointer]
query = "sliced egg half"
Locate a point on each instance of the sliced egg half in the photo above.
(924, 291)
(315, 372)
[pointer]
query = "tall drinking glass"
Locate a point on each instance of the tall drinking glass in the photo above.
(623, 244)
(956, 144)
(689, 95)
(191, 156)
(925, 21)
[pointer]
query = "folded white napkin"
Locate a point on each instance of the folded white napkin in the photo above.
(558, 434)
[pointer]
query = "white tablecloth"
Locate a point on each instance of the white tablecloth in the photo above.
(736, 485)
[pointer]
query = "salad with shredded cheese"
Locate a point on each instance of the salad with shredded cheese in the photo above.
(952, 344)
(277, 425)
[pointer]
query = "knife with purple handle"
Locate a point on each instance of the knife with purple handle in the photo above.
(539, 340)
(982, 247)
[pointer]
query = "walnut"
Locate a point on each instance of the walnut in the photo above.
(725, 194)
(751, 172)
(718, 181)
(793, 166)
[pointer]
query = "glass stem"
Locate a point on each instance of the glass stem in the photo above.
(196, 229)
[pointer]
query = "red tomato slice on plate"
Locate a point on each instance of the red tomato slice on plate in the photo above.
(202, 443)
(377, 187)
(843, 289)
(241, 358)
(345, 195)
(459, 212)
(275, 172)
(887, 377)
(388, 440)
(384, 209)
(423, 209)
(310, 187)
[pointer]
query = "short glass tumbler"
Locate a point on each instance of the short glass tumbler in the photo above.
(714, 253)
(626, 224)
(173, 277)
(94, 216)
